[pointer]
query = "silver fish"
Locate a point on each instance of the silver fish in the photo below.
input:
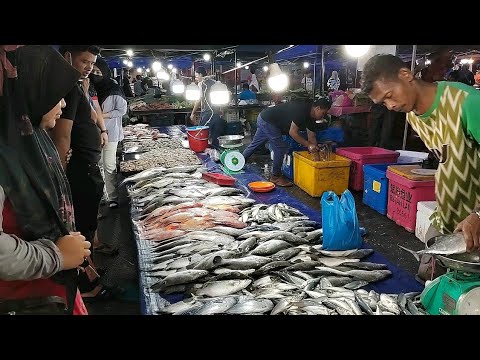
(244, 263)
(272, 266)
(284, 304)
(180, 306)
(444, 245)
(370, 276)
(285, 254)
(270, 247)
(184, 277)
(251, 306)
(223, 287)
(216, 306)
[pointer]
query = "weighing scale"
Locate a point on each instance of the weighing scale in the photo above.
(231, 158)
(458, 291)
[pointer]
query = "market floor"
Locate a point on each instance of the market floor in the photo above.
(383, 235)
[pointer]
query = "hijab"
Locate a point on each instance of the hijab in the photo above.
(31, 176)
(104, 85)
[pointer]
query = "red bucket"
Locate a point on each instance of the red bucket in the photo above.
(198, 138)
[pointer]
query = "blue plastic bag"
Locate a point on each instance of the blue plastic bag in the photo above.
(340, 222)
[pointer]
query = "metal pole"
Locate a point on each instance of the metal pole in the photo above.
(235, 89)
(314, 72)
(412, 68)
(322, 87)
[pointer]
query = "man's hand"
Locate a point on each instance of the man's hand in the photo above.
(193, 119)
(74, 249)
(312, 148)
(104, 138)
(470, 227)
(85, 85)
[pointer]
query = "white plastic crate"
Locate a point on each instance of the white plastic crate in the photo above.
(424, 229)
(230, 115)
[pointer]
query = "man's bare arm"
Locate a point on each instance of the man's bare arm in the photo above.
(61, 136)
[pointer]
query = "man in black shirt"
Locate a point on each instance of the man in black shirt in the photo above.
(78, 130)
(287, 118)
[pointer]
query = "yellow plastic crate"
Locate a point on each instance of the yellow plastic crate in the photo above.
(316, 177)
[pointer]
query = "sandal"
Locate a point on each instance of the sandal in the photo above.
(107, 293)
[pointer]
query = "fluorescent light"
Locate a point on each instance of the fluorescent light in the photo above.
(170, 66)
(174, 70)
(278, 81)
(219, 94)
(192, 92)
(357, 50)
(139, 70)
(239, 64)
(125, 62)
(130, 52)
(206, 57)
(148, 70)
(265, 68)
(306, 65)
(178, 87)
(130, 64)
(156, 66)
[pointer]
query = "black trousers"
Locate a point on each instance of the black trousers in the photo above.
(86, 183)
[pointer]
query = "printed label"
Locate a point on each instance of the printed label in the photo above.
(377, 186)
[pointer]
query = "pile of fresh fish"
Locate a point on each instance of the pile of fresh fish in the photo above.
(167, 153)
(228, 255)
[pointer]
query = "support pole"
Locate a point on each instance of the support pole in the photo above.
(322, 87)
(412, 68)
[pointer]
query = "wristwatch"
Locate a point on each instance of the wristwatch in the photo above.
(104, 131)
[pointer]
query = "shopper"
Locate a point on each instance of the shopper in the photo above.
(114, 106)
(139, 87)
(127, 89)
(445, 115)
(37, 227)
(246, 94)
(77, 129)
(209, 114)
(307, 82)
(333, 83)
(252, 81)
(287, 118)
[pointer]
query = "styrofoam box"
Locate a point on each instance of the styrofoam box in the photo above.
(407, 157)
(424, 229)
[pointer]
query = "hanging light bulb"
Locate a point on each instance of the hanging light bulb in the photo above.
(247, 67)
(163, 75)
(278, 81)
(178, 87)
(174, 70)
(192, 92)
(129, 52)
(219, 94)
(170, 66)
(357, 50)
(239, 64)
(139, 70)
(130, 64)
(206, 57)
(265, 68)
(148, 70)
(156, 66)
(125, 62)
(306, 65)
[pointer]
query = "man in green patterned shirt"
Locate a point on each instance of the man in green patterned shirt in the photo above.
(446, 116)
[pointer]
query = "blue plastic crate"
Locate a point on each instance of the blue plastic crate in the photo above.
(375, 191)
(330, 134)
(287, 166)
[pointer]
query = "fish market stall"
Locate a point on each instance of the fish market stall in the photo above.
(247, 253)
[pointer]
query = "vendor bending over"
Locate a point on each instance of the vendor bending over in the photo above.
(287, 118)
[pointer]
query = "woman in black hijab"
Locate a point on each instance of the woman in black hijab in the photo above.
(37, 230)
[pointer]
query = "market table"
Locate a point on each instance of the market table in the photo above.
(400, 281)
(348, 110)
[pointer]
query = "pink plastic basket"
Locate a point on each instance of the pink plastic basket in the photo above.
(365, 155)
(403, 196)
